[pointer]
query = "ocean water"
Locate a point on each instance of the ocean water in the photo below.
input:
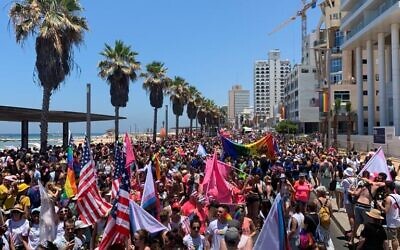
(14, 140)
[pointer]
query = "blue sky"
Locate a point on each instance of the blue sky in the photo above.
(211, 43)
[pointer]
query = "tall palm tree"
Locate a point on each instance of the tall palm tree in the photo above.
(178, 92)
(156, 83)
(336, 109)
(201, 113)
(192, 105)
(57, 27)
(118, 68)
(349, 125)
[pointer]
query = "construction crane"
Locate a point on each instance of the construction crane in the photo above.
(300, 13)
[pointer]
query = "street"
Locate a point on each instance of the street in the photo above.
(337, 237)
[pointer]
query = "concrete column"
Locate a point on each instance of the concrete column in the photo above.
(371, 88)
(382, 80)
(24, 134)
(65, 134)
(396, 77)
(359, 82)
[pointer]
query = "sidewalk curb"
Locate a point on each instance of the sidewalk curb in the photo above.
(340, 226)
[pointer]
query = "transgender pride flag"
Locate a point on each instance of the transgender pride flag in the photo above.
(149, 195)
(273, 233)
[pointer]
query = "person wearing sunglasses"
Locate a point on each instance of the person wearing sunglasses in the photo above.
(194, 240)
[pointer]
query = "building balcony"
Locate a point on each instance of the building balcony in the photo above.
(381, 16)
(352, 12)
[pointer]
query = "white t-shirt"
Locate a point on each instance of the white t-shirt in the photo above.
(34, 236)
(194, 243)
(18, 229)
(217, 230)
(61, 243)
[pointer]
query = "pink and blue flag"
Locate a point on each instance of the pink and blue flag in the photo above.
(149, 198)
(273, 233)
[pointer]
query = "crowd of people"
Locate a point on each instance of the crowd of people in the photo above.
(303, 173)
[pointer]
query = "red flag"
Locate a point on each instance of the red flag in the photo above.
(214, 183)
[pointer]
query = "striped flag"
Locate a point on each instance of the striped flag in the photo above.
(91, 206)
(70, 188)
(119, 169)
(273, 234)
(118, 225)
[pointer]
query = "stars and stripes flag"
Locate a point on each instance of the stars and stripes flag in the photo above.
(118, 224)
(119, 161)
(91, 206)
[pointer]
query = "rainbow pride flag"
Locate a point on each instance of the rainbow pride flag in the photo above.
(263, 146)
(324, 102)
(70, 188)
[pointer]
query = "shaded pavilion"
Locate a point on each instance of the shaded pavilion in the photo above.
(26, 115)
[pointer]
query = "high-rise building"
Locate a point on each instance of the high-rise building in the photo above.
(371, 61)
(269, 80)
(239, 99)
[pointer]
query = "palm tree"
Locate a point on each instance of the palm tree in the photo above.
(156, 83)
(118, 68)
(57, 27)
(192, 105)
(201, 113)
(178, 92)
(349, 125)
(336, 109)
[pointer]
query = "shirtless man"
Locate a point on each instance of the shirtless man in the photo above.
(365, 194)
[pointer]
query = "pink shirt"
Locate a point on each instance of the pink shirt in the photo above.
(302, 191)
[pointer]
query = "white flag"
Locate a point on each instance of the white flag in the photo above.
(141, 219)
(377, 164)
(201, 151)
(47, 225)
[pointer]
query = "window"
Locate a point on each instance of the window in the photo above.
(364, 61)
(342, 95)
(365, 108)
(377, 108)
(365, 92)
(304, 71)
(336, 65)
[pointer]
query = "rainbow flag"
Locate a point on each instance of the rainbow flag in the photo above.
(70, 188)
(263, 146)
(324, 102)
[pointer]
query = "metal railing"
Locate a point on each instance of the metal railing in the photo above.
(373, 14)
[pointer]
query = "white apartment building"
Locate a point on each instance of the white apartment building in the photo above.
(239, 100)
(301, 101)
(371, 60)
(269, 80)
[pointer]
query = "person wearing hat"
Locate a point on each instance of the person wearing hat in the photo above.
(373, 235)
(34, 230)
(348, 184)
(82, 232)
(18, 227)
(23, 199)
(8, 191)
(302, 190)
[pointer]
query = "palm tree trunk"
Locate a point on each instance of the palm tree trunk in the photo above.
(44, 125)
(191, 126)
(116, 129)
(349, 128)
(155, 125)
(177, 126)
(335, 130)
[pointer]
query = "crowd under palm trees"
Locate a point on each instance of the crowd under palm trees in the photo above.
(58, 27)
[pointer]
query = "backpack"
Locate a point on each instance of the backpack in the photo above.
(324, 215)
(306, 240)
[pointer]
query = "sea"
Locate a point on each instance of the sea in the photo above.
(9, 141)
